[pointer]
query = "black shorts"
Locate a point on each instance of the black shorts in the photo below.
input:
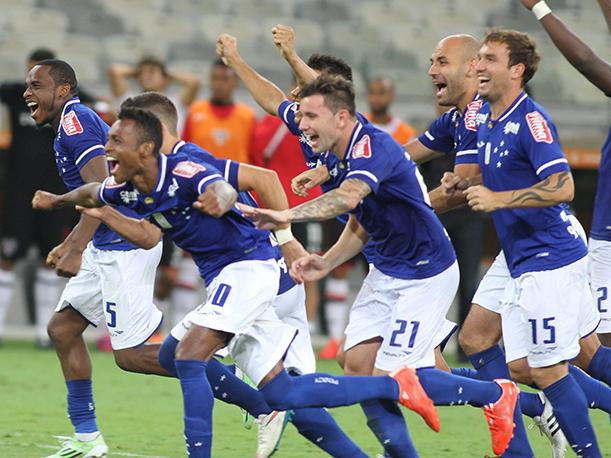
(23, 227)
(309, 234)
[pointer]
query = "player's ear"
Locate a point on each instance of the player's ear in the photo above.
(146, 149)
(63, 90)
(517, 71)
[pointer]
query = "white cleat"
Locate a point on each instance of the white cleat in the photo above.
(74, 448)
(549, 427)
(270, 429)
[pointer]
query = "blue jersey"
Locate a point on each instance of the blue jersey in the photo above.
(229, 169)
(455, 133)
(81, 136)
(601, 222)
(517, 151)
(212, 242)
(408, 240)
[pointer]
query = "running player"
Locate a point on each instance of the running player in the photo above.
(111, 279)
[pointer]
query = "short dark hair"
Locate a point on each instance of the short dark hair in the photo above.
(155, 62)
(40, 54)
(337, 92)
(62, 73)
(332, 65)
(382, 79)
(148, 125)
(159, 104)
(522, 49)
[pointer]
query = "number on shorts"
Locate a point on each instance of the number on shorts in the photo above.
(603, 297)
(547, 326)
(113, 314)
(220, 295)
(282, 265)
(401, 330)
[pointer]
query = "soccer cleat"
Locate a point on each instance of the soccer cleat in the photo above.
(413, 396)
(499, 416)
(329, 351)
(74, 448)
(270, 430)
(549, 427)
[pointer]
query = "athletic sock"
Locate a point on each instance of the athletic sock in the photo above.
(318, 426)
(81, 408)
(386, 421)
(7, 286)
(531, 404)
(598, 395)
(490, 364)
(571, 411)
(600, 366)
(198, 402)
(47, 290)
(324, 390)
(465, 372)
(448, 389)
(336, 294)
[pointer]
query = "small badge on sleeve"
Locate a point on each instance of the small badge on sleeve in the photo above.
(71, 124)
(188, 169)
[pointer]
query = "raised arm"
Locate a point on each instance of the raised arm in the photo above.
(284, 39)
(85, 196)
(266, 94)
(578, 53)
(266, 184)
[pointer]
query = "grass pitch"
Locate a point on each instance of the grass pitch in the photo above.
(141, 416)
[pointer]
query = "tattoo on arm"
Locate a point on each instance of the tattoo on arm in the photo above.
(541, 193)
(332, 203)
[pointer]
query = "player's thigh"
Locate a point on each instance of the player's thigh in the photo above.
(128, 279)
(588, 346)
(600, 281)
(417, 320)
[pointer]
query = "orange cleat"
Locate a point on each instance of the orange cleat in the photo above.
(413, 396)
(499, 416)
(329, 351)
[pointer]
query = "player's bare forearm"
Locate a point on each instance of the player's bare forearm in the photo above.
(85, 196)
(266, 184)
(139, 232)
(267, 95)
(332, 203)
(420, 153)
(443, 202)
(555, 189)
(82, 233)
(303, 73)
(350, 243)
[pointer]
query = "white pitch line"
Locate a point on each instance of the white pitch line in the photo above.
(133, 455)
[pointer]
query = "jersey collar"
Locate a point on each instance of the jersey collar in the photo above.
(511, 108)
(163, 165)
(177, 146)
(353, 138)
(72, 101)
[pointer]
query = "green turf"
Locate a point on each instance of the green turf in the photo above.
(142, 416)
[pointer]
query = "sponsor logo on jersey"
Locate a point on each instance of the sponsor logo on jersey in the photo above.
(480, 118)
(188, 169)
(71, 124)
(128, 196)
(362, 148)
(538, 127)
(471, 114)
(511, 128)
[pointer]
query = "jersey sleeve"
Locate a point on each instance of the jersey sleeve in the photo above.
(539, 140)
(370, 160)
(438, 137)
(83, 137)
(196, 176)
(286, 112)
(226, 167)
(466, 148)
(113, 193)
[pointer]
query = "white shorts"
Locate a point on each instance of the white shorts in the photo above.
(600, 281)
(409, 315)
(490, 290)
(239, 302)
(546, 313)
(117, 286)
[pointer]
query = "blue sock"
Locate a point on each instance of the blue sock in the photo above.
(571, 410)
(490, 364)
(449, 389)
(600, 366)
(464, 372)
(318, 426)
(531, 404)
(598, 395)
(198, 402)
(166, 354)
(324, 390)
(230, 389)
(386, 421)
(81, 408)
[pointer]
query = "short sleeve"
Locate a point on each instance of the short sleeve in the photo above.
(196, 176)
(540, 142)
(439, 137)
(83, 137)
(370, 160)
(466, 148)
(286, 112)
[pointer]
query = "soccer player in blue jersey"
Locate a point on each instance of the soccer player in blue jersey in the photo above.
(525, 178)
(111, 278)
(192, 203)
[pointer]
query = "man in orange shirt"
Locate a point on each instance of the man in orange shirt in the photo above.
(220, 125)
(380, 96)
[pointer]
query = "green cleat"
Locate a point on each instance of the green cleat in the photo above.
(74, 448)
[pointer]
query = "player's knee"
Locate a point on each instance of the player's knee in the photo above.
(520, 372)
(473, 341)
(166, 354)
(125, 360)
(281, 395)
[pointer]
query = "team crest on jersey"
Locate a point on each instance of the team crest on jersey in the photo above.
(480, 118)
(471, 114)
(539, 128)
(511, 128)
(188, 169)
(362, 148)
(71, 124)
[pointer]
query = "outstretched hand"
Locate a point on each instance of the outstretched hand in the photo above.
(308, 180)
(309, 268)
(265, 218)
